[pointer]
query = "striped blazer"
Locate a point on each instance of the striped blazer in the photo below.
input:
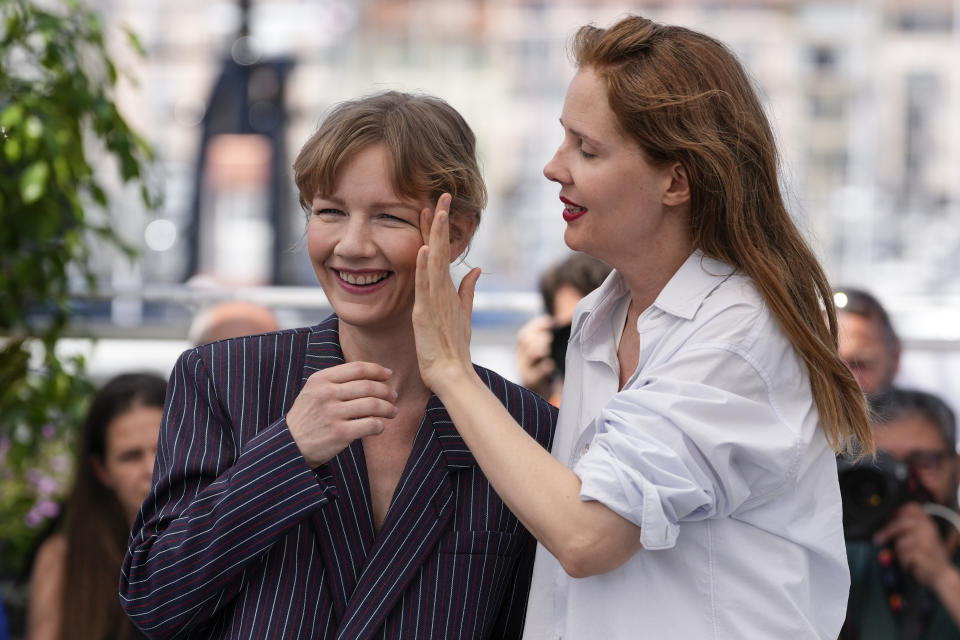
(239, 538)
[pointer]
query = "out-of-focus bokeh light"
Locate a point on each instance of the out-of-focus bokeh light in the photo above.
(160, 235)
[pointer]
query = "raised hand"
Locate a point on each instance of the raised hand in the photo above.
(534, 364)
(917, 542)
(339, 405)
(441, 313)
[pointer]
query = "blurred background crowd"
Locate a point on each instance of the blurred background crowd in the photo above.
(863, 96)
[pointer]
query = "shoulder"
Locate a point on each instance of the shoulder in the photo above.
(533, 413)
(282, 342)
(49, 565)
(735, 313)
(51, 554)
(46, 588)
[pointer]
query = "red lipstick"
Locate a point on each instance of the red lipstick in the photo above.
(573, 210)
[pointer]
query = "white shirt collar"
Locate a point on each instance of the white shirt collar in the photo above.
(682, 296)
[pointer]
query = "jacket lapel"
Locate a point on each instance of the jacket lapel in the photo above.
(344, 528)
(419, 515)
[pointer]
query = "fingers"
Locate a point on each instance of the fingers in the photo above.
(907, 519)
(439, 262)
(467, 288)
(358, 370)
(361, 408)
(353, 389)
(426, 221)
(363, 427)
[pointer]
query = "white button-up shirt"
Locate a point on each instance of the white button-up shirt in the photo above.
(714, 449)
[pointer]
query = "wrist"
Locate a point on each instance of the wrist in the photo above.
(948, 581)
(451, 378)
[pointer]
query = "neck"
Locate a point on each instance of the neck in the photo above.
(647, 278)
(393, 348)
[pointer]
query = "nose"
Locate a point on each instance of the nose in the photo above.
(356, 241)
(555, 170)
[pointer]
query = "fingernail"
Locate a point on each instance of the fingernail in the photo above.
(395, 395)
(389, 371)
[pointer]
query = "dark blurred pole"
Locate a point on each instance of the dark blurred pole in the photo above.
(248, 97)
(244, 29)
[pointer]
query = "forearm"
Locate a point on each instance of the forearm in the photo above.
(586, 536)
(187, 558)
(947, 589)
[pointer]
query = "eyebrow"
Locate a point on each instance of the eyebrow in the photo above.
(380, 204)
(580, 134)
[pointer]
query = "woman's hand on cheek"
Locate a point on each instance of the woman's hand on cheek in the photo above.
(441, 314)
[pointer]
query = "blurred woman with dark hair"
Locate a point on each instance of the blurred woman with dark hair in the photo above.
(73, 589)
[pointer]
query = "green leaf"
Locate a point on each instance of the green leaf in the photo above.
(33, 182)
(11, 116)
(34, 127)
(12, 150)
(134, 41)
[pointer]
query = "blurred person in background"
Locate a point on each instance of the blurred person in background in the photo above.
(868, 343)
(231, 319)
(692, 488)
(542, 341)
(73, 586)
(308, 483)
(3, 621)
(905, 581)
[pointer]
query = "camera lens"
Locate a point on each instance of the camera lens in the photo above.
(872, 489)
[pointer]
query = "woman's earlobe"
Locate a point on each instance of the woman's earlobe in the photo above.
(100, 471)
(678, 191)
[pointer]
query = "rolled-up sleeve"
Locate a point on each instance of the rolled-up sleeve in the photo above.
(697, 437)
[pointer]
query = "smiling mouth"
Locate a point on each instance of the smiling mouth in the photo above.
(363, 279)
(571, 210)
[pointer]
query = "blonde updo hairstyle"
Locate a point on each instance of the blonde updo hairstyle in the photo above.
(432, 151)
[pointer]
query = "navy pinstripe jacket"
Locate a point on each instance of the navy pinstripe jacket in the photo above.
(240, 539)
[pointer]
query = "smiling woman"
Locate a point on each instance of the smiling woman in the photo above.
(363, 243)
(302, 463)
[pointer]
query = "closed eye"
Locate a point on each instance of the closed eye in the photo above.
(388, 217)
(328, 212)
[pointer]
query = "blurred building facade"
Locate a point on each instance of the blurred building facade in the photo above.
(863, 96)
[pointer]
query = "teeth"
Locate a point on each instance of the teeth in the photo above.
(573, 209)
(363, 279)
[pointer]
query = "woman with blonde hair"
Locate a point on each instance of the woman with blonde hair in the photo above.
(308, 483)
(692, 491)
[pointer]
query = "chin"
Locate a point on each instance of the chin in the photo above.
(577, 242)
(371, 317)
(571, 240)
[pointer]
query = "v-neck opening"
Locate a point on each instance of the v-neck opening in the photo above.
(420, 440)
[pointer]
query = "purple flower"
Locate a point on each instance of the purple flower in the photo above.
(42, 484)
(43, 510)
(48, 431)
(60, 464)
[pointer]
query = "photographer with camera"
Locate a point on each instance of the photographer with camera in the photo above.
(542, 342)
(900, 521)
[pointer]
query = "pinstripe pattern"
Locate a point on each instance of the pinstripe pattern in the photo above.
(240, 539)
